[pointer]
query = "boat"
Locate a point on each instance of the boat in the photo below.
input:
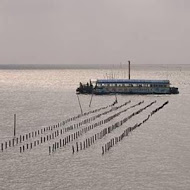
(127, 86)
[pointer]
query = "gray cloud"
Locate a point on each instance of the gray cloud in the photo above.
(94, 31)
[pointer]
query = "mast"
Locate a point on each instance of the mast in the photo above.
(129, 70)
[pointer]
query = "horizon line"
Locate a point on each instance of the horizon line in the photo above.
(81, 66)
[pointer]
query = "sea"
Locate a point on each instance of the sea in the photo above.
(155, 155)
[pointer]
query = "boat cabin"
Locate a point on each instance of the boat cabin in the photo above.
(134, 86)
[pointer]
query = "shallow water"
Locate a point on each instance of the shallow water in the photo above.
(154, 156)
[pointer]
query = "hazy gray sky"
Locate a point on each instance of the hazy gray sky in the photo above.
(94, 31)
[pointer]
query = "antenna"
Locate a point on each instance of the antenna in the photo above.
(167, 72)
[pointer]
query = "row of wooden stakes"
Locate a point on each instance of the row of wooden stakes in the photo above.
(16, 140)
(60, 132)
(53, 148)
(89, 141)
(125, 133)
(72, 127)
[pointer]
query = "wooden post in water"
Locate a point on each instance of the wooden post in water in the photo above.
(13, 142)
(102, 150)
(91, 99)
(79, 104)
(81, 145)
(2, 147)
(77, 146)
(14, 125)
(49, 150)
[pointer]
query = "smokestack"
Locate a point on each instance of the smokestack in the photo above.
(129, 70)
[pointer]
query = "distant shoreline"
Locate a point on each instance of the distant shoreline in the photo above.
(105, 66)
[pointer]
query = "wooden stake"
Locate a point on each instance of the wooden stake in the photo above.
(79, 104)
(14, 125)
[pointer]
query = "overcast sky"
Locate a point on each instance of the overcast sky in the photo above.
(94, 31)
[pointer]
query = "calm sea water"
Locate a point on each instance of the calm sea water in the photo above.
(154, 156)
